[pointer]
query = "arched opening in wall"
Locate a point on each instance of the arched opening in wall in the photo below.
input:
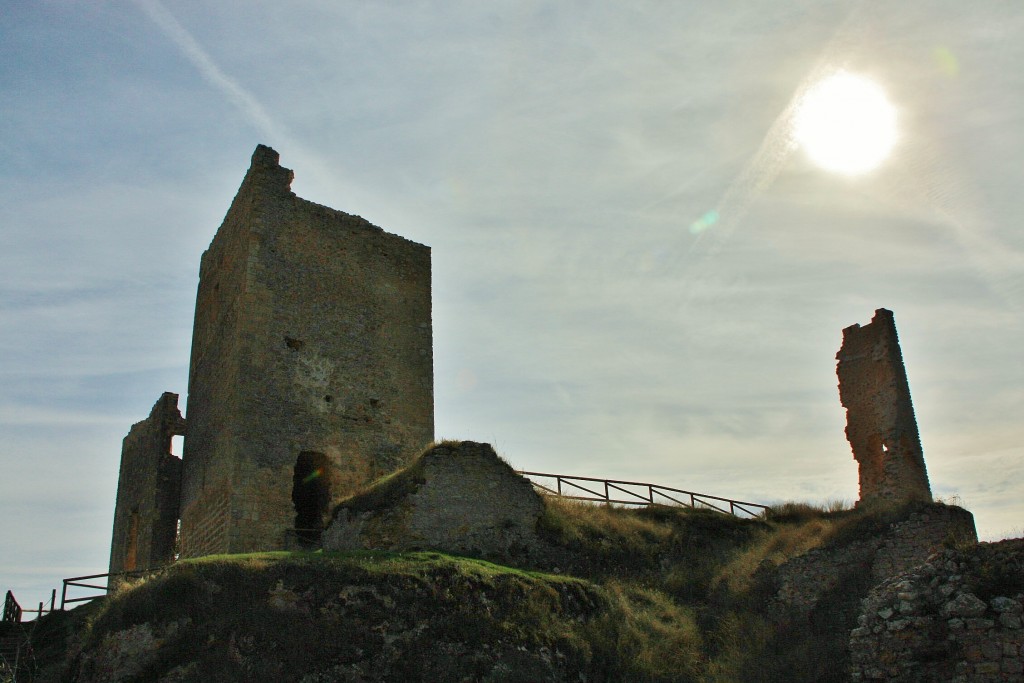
(311, 494)
(177, 445)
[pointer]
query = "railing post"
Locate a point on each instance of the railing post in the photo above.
(559, 481)
(607, 496)
(63, 595)
(53, 598)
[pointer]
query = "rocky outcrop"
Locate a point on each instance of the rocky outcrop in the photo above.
(363, 618)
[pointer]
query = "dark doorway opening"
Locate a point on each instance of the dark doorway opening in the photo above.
(311, 494)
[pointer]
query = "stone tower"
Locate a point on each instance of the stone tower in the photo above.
(148, 490)
(311, 370)
(880, 423)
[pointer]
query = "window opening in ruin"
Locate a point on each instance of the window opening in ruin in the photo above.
(311, 494)
(177, 445)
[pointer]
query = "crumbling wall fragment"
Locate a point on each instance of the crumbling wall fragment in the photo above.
(880, 423)
(148, 491)
(458, 498)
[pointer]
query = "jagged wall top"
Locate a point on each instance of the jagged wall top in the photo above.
(880, 422)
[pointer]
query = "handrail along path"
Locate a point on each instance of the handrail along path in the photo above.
(622, 492)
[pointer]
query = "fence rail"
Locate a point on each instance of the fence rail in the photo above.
(76, 582)
(636, 493)
(14, 612)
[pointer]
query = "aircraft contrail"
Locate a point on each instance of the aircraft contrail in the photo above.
(188, 45)
(272, 132)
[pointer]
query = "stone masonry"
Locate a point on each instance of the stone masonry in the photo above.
(802, 581)
(148, 491)
(311, 375)
(311, 371)
(880, 423)
(458, 498)
(958, 617)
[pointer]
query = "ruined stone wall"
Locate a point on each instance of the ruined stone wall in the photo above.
(880, 423)
(802, 581)
(959, 617)
(312, 335)
(148, 491)
(459, 498)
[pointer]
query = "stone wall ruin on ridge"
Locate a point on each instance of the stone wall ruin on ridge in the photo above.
(458, 497)
(880, 423)
(148, 491)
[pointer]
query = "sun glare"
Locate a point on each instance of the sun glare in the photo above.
(846, 124)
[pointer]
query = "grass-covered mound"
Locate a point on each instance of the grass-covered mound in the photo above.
(379, 617)
(655, 594)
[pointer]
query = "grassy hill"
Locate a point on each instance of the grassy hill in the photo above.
(654, 594)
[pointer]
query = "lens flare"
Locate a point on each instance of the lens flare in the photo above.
(946, 61)
(315, 474)
(704, 222)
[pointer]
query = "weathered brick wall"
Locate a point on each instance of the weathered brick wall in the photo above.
(148, 491)
(880, 423)
(465, 500)
(312, 334)
(930, 624)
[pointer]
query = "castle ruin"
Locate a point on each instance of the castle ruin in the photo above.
(311, 375)
(880, 423)
(148, 491)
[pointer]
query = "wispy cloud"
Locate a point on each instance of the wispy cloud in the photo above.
(195, 53)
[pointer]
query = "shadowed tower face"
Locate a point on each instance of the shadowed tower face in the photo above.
(880, 422)
(311, 370)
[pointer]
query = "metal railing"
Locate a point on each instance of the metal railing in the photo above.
(76, 582)
(14, 613)
(636, 493)
(12, 610)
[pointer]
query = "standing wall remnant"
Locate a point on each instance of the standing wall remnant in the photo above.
(880, 423)
(148, 491)
(458, 497)
(311, 370)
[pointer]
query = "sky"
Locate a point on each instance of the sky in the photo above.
(637, 273)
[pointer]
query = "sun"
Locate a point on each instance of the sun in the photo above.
(845, 124)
